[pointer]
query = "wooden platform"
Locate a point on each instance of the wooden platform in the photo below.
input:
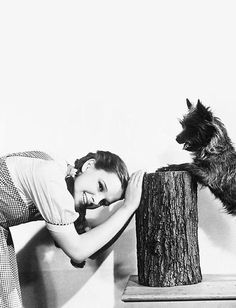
(212, 287)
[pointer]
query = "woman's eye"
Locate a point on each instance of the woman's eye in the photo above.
(101, 188)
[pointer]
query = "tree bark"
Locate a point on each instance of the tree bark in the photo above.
(167, 230)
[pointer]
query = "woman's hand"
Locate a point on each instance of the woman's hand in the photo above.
(134, 190)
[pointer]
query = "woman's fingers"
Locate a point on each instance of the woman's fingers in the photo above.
(134, 190)
(137, 177)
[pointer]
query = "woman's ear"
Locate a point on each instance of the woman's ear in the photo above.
(88, 164)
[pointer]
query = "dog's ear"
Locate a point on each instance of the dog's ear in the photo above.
(199, 104)
(189, 104)
(201, 107)
(205, 112)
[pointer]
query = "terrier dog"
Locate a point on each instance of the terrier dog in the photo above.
(214, 157)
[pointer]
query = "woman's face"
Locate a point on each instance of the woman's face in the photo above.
(96, 187)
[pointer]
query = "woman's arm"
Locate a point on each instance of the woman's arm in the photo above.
(80, 247)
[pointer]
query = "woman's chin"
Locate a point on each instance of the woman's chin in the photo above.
(79, 206)
(92, 206)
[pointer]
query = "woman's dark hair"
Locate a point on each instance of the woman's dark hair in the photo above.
(104, 160)
(109, 162)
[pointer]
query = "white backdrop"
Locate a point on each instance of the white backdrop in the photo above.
(77, 76)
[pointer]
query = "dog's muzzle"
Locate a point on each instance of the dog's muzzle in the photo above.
(179, 139)
(188, 147)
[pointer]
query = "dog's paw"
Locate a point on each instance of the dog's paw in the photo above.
(163, 169)
(180, 167)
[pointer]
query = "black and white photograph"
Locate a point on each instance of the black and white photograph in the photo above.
(117, 154)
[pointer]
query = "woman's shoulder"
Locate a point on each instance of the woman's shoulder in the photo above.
(51, 170)
(30, 163)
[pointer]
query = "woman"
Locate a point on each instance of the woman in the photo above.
(35, 186)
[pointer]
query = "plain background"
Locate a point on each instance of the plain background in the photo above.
(77, 76)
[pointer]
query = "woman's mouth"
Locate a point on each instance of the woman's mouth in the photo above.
(87, 202)
(84, 198)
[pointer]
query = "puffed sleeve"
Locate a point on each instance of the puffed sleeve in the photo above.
(50, 195)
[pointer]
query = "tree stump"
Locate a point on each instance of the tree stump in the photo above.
(167, 230)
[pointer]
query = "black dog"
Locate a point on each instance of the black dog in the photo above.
(214, 157)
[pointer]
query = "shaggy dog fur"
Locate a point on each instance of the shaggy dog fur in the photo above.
(214, 157)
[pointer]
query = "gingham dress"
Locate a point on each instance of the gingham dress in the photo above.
(13, 211)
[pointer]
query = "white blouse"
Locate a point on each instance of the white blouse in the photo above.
(42, 182)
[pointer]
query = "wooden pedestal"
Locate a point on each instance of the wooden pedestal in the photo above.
(212, 288)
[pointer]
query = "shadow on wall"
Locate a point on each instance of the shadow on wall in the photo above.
(47, 278)
(125, 259)
(214, 220)
(33, 286)
(125, 262)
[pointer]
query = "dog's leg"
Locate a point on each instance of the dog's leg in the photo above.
(180, 167)
(200, 174)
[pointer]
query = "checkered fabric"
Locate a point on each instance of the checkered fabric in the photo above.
(13, 211)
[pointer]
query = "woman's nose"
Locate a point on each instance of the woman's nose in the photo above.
(97, 198)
